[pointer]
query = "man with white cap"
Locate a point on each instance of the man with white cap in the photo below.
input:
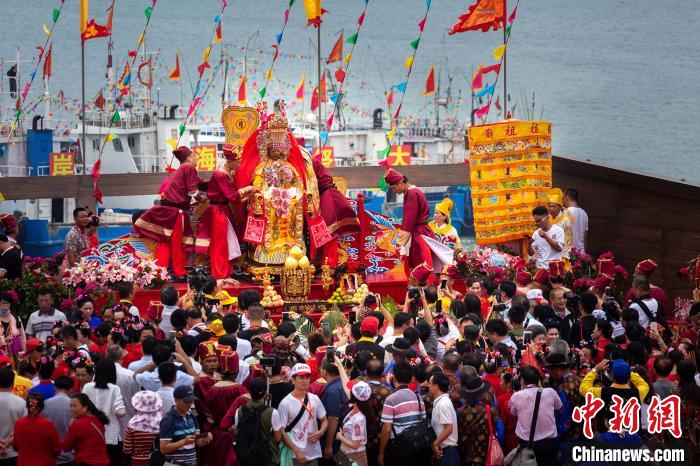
(304, 418)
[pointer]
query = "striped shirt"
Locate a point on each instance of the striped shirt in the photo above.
(40, 325)
(403, 408)
(174, 427)
(138, 445)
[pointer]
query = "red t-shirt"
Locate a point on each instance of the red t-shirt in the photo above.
(86, 437)
(37, 441)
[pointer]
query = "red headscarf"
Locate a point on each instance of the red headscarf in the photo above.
(392, 177)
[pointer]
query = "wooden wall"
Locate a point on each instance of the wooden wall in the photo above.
(637, 216)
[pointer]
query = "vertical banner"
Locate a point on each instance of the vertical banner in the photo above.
(510, 168)
(61, 164)
(206, 157)
(327, 156)
(399, 155)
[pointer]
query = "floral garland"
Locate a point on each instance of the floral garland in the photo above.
(142, 272)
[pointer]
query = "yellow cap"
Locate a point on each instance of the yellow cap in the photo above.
(225, 299)
(445, 207)
(217, 328)
(555, 196)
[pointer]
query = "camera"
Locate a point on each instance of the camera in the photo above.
(330, 354)
(413, 293)
(527, 337)
(196, 279)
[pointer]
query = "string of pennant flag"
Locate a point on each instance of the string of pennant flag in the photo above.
(276, 48)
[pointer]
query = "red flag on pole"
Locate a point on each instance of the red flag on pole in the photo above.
(430, 82)
(94, 30)
(300, 88)
(478, 79)
(483, 15)
(100, 101)
(495, 68)
(47, 63)
(337, 52)
(390, 98)
(217, 38)
(323, 87)
(340, 75)
(241, 91)
(108, 24)
(175, 72)
(314, 99)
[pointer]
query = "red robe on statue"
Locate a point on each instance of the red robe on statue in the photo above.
(217, 233)
(169, 222)
(415, 221)
(336, 211)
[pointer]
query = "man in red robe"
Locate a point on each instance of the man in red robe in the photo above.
(416, 253)
(336, 211)
(169, 222)
(647, 268)
(217, 234)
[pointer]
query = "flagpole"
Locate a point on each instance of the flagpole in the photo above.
(320, 100)
(505, 52)
(83, 147)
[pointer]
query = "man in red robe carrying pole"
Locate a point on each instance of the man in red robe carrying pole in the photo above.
(216, 234)
(336, 211)
(169, 222)
(415, 251)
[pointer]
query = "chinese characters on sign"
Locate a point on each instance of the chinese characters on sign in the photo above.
(327, 156)
(206, 157)
(399, 155)
(61, 164)
(662, 414)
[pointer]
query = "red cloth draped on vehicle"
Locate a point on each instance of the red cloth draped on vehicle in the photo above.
(169, 223)
(336, 211)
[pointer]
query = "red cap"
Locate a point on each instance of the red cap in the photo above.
(4, 361)
(557, 268)
(392, 177)
(541, 277)
(207, 349)
(647, 267)
(421, 273)
(605, 266)
(523, 277)
(369, 325)
(182, 152)
(232, 152)
(154, 310)
(33, 344)
(228, 361)
(8, 222)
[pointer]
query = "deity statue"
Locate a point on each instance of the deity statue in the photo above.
(286, 190)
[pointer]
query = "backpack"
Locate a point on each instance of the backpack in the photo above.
(252, 446)
(414, 439)
(203, 335)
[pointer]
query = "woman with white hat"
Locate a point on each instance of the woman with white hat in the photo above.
(143, 427)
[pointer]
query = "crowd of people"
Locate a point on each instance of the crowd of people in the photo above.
(449, 378)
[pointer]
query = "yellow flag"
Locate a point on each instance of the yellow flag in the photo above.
(409, 62)
(390, 134)
(83, 15)
(141, 39)
(268, 75)
(205, 54)
(498, 53)
(172, 143)
(347, 57)
(2, 198)
(110, 137)
(46, 30)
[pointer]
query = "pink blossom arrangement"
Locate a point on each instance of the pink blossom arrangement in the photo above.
(281, 201)
(495, 264)
(90, 274)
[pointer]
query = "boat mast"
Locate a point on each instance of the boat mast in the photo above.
(505, 52)
(320, 99)
(223, 90)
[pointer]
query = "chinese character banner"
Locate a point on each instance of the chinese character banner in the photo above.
(510, 169)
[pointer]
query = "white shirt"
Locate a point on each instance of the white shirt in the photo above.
(245, 323)
(243, 371)
(355, 428)
(150, 380)
(195, 333)
(580, 226)
(289, 408)
(653, 306)
(108, 400)
(195, 365)
(618, 329)
(128, 387)
(543, 251)
(40, 325)
(444, 413)
(243, 348)
(165, 324)
(166, 394)
(136, 365)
